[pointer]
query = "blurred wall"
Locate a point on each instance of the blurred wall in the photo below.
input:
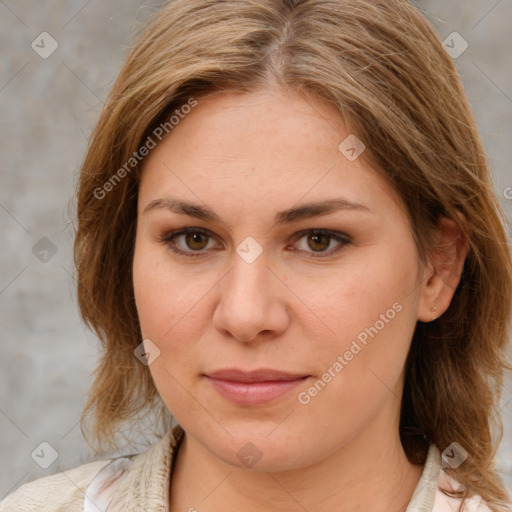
(52, 87)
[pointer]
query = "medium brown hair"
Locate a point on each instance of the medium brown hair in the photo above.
(380, 64)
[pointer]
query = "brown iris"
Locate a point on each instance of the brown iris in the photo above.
(317, 238)
(195, 238)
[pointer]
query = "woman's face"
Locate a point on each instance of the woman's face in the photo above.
(278, 346)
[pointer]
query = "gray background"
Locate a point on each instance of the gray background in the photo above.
(48, 109)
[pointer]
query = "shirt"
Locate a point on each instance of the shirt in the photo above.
(141, 482)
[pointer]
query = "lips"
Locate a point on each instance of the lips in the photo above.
(261, 375)
(253, 387)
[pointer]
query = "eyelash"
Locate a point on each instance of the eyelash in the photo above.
(167, 240)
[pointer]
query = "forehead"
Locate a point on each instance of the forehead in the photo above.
(259, 149)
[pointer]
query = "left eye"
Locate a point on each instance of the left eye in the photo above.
(196, 241)
(319, 241)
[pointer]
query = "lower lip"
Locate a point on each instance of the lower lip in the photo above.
(254, 393)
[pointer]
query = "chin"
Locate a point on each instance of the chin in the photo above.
(255, 450)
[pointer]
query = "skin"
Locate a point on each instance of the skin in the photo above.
(248, 157)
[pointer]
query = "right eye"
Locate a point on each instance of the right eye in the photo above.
(194, 241)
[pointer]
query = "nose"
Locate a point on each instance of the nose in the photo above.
(252, 302)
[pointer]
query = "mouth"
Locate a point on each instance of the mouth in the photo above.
(254, 387)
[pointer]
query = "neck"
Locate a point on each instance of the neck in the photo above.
(370, 474)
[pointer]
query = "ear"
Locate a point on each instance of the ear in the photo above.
(442, 276)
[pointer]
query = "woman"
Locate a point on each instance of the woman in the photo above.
(288, 239)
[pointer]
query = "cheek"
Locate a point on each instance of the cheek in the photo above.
(164, 297)
(171, 306)
(164, 306)
(362, 298)
(371, 313)
(149, 297)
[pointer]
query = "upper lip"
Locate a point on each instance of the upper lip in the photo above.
(259, 375)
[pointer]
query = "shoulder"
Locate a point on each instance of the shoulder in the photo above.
(444, 503)
(91, 487)
(62, 491)
(429, 495)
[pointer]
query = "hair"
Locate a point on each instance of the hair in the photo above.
(380, 64)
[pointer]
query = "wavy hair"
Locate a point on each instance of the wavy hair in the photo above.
(380, 64)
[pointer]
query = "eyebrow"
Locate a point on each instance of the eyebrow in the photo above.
(307, 211)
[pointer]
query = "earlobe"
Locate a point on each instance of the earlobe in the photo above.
(445, 272)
